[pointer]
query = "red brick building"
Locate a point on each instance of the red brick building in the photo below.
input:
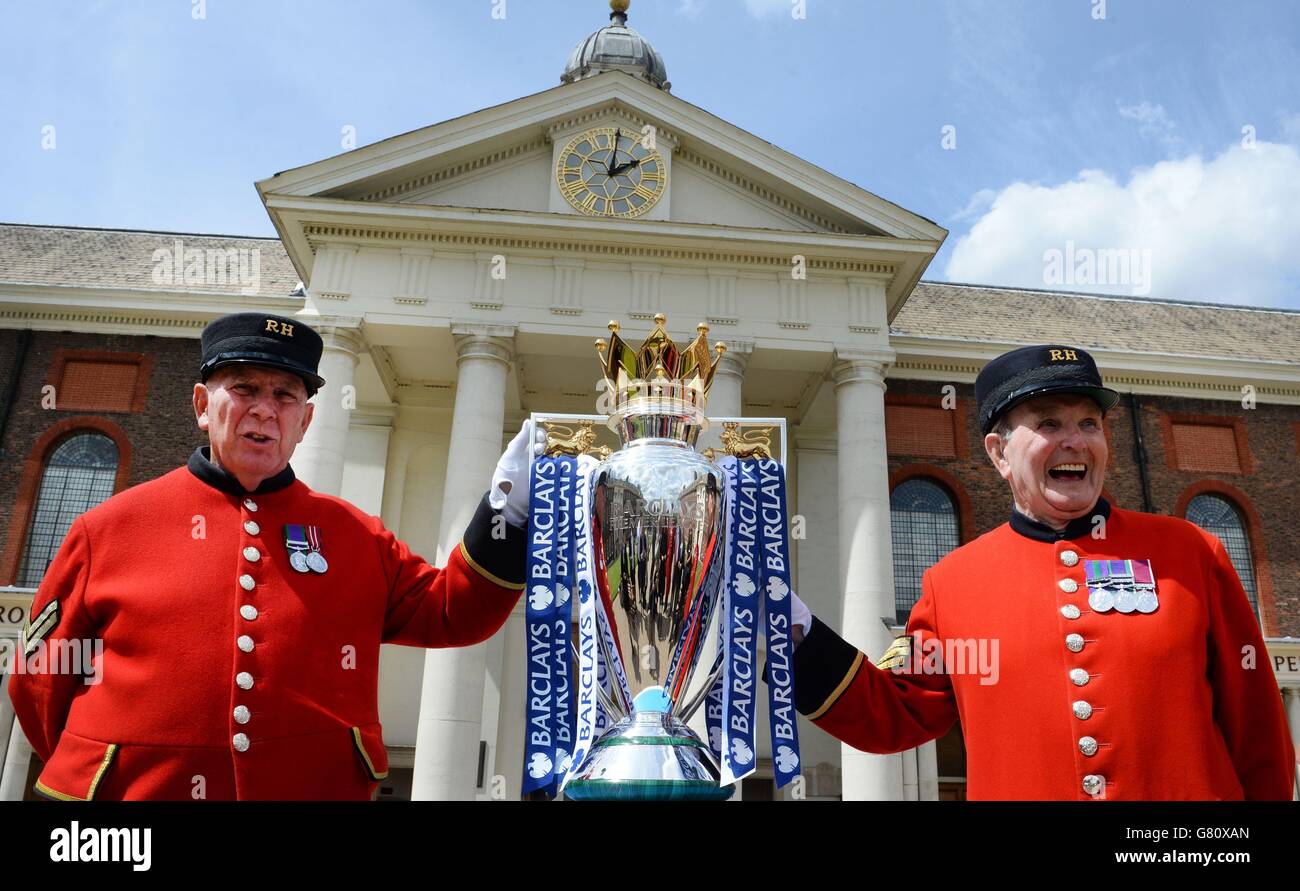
(98, 352)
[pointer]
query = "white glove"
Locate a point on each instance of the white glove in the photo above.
(510, 481)
(799, 613)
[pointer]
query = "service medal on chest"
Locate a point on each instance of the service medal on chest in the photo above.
(315, 559)
(295, 541)
(1126, 586)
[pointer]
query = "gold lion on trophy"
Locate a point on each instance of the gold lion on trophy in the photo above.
(756, 442)
(562, 439)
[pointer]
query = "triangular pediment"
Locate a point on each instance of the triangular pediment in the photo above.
(501, 158)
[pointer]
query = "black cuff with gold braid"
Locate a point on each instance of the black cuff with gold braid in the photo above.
(824, 666)
(495, 549)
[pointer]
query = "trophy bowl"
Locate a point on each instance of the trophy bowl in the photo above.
(658, 537)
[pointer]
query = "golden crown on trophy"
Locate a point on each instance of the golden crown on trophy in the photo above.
(659, 368)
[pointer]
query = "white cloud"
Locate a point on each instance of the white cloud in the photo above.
(690, 8)
(1223, 230)
(1153, 121)
(978, 205)
(761, 9)
(1290, 125)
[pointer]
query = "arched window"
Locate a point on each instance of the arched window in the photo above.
(923, 522)
(79, 475)
(1216, 514)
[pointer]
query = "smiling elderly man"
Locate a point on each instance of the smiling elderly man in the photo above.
(241, 613)
(1131, 663)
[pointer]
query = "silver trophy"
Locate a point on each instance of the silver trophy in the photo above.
(658, 534)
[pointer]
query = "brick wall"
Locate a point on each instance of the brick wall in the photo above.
(1267, 489)
(160, 436)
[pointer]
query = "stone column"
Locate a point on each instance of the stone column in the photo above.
(508, 760)
(7, 719)
(18, 760)
(318, 460)
(910, 772)
(725, 392)
(866, 550)
(1292, 698)
(927, 762)
(451, 700)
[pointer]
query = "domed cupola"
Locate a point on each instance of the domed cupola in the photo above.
(616, 47)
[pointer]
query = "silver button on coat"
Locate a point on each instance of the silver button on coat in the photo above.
(250, 505)
(252, 555)
(1087, 745)
(248, 611)
(1069, 586)
(245, 643)
(240, 742)
(246, 582)
(251, 527)
(1079, 676)
(1069, 558)
(1074, 642)
(1093, 783)
(242, 714)
(1082, 710)
(244, 680)
(1070, 611)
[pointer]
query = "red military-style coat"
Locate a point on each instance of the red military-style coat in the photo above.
(1180, 703)
(224, 672)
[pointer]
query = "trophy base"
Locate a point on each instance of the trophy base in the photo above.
(648, 757)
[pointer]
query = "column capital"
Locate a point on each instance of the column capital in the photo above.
(736, 359)
(478, 340)
(344, 339)
(861, 365)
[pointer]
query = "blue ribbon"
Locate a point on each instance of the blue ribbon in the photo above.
(562, 620)
(773, 534)
(540, 578)
(589, 713)
(740, 647)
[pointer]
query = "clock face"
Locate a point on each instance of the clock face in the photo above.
(604, 180)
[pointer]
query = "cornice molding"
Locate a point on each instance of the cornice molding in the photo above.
(601, 114)
(318, 234)
(1192, 377)
(713, 168)
(450, 172)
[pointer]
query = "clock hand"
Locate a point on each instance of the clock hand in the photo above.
(613, 154)
(626, 166)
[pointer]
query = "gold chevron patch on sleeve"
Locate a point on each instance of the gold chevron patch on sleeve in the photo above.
(899, 654)
(40, 627)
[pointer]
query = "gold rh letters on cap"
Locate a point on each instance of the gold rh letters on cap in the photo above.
(1064, 355)
(279, 327)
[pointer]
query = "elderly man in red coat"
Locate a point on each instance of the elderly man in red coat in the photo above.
(236, 615)
(1091, 652)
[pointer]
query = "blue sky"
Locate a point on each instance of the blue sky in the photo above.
(1120, 133)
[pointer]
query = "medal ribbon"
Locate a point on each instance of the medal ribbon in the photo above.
(295, 537)
(775, 548)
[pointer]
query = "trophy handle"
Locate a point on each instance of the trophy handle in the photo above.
(694, 704)
(616, 712)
